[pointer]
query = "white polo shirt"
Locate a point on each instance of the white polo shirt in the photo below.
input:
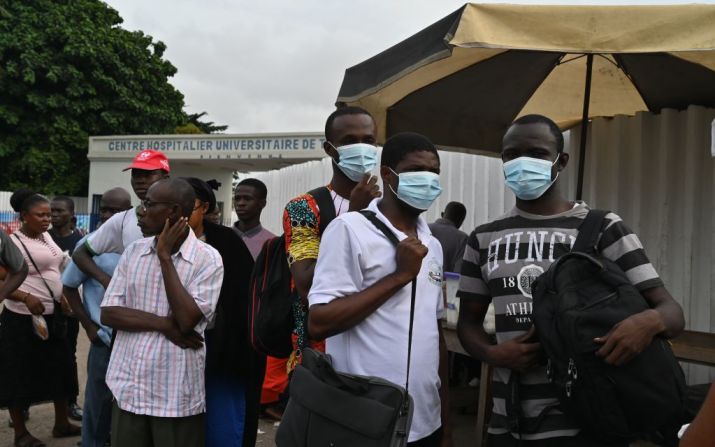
(116, 234)
(354, 255)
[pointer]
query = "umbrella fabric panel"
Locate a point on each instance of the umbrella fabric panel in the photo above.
(595, 29)
(460, 110)
(378, 102)
(426, 46)
(561, 98)
(660, 77)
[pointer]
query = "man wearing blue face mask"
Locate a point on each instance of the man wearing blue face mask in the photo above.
(361, 293)
(350, 134)
(503, 257)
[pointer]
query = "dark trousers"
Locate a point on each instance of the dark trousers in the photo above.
(507, 440)
(432, 440)
(254, 383)
(97, 418)
(71, 340)
(138, 430)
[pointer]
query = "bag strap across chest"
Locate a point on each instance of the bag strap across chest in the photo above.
(588, 232)
(372, 217)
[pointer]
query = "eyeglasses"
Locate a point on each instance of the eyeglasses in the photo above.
(146, 204)
(107, 209)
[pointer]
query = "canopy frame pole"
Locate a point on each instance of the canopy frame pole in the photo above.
(584, 127)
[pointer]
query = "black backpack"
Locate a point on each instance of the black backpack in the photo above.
(270, 317)
(581, 296)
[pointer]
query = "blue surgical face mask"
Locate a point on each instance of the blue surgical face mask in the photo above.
(528, 177)
(418, 189)
(356, 160)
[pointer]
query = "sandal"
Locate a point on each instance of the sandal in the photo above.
(27, 440)
(68, 431)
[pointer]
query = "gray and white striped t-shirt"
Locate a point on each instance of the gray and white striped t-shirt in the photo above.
(502, 259)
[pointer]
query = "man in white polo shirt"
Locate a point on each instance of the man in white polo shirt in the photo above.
(116, 234)
(361, 292)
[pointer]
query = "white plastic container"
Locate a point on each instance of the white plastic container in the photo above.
(451, 281)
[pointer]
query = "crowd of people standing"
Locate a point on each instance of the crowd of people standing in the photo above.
(165, 293)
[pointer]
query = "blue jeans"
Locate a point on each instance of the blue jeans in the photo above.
(97, 419)
(225, 411)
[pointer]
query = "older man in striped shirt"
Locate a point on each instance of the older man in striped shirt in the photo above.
(161, 297)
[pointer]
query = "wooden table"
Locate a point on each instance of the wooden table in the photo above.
(690, 346)
(695, 347)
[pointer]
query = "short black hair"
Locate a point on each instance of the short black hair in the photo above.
(399, 145)
(553, 127)
(68, 201)
(181, 193)
(259, 186)
(203, 191)
(23, 199)
(455, 211)
(342, 111)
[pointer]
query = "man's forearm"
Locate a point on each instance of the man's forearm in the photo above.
(12, 281)
(85, 262)
(183, 306)
(474, 340)
(339, 315)
(671, 315)
(16, 295)
(302, 272)
(133, 320)
(78, 309)
(666, 314)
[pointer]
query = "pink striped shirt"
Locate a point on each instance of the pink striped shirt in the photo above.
(147, 373)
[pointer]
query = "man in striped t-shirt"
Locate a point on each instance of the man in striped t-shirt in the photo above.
(504, 256)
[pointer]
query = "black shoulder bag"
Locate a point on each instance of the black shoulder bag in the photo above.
(328, 407)
(59, 320)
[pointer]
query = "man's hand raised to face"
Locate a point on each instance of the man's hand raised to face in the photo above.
(169, 235)
(364, 192)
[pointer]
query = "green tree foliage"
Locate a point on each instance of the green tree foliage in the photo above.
(68, 71)
(188, 129)
(204, 126)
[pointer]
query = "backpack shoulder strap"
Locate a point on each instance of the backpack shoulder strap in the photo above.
(589, 230)
(325, 206)
(389, 234)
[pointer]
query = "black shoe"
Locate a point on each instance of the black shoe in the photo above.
(25, 414)
(75, 412)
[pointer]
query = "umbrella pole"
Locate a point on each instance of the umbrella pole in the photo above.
(584, 127)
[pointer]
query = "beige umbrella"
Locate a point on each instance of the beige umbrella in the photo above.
(465, 78)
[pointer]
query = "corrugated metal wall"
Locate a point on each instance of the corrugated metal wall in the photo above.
(655, 171)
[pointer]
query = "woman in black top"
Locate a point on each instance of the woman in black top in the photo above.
(234, 371)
